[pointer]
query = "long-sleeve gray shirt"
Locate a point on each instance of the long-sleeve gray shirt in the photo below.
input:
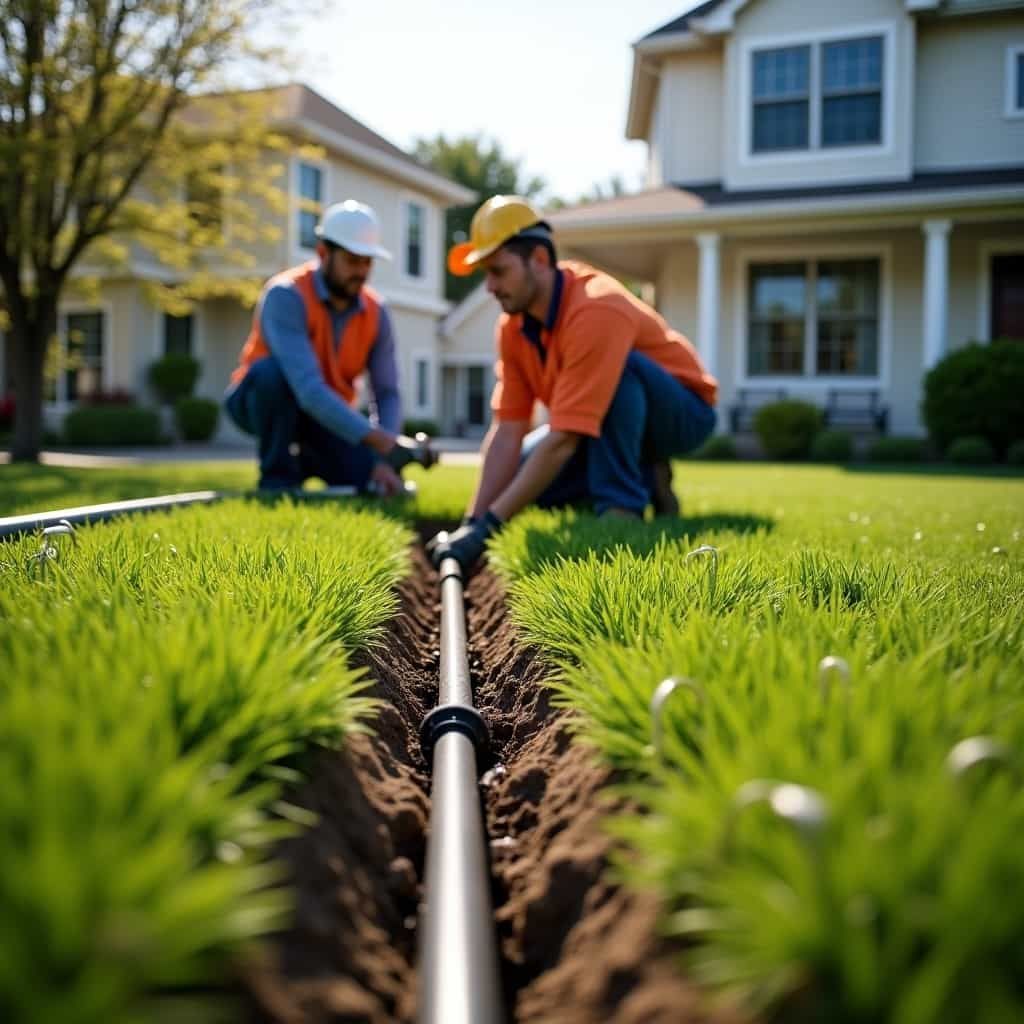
(283, 322)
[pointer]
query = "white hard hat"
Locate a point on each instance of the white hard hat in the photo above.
(354, 227)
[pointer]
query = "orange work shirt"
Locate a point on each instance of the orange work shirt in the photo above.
(586, 342)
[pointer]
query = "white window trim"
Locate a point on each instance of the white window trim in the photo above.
(882, 251)
(62, 405)
(1011, 110)
(424, 355)
(815, 151)
(429, 261)
(299, 252)
(986, 250)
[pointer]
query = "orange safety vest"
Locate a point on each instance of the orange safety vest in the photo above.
(340, 363)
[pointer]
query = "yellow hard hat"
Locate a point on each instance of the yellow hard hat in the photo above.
(497, 220)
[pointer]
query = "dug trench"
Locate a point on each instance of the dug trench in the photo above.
(575, 947)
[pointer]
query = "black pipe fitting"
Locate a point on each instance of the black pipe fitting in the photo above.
(455, 718)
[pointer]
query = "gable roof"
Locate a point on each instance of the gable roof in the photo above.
(300, 108)
(682, 23)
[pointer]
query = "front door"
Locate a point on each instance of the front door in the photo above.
(1008, 296)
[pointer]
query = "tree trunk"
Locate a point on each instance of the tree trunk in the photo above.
(29, 338)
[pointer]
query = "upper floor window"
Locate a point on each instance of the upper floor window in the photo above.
(310, 201)
(414, 231)
(818, 96)
(1015, 81)
(817, 318)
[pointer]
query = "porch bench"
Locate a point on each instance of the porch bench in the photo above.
(748, 401)
(857, 409)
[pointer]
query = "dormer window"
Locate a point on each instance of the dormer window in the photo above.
(820, 95)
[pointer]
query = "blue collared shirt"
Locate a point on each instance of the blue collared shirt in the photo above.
(532, 327)
(283, 322)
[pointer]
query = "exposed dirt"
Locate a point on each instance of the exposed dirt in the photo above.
(576, 948)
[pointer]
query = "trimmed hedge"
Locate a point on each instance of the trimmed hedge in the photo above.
(971, 451)
(787, 428)
(196, 418)
(718, 447)
(832, 446)
(897, 449)
(105, 425)
(173, 377)
(975, 392)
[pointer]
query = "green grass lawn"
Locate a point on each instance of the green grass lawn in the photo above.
(161, 678)
(164, 668)
(443, 493)
(820, 841)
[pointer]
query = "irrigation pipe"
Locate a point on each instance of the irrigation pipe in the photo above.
(458, 967)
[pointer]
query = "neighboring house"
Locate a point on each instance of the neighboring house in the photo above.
(835, 192)
(122, 332)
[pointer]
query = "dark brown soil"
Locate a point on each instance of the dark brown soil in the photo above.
(576, 948)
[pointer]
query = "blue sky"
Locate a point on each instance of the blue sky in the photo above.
(548, 78)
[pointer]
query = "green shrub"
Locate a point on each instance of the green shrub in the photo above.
(896, 449)
(102, 425)
(971, 451)
(1015, 453)
(173, 377)
(416, 426)
(975, 392)
(832, 446)
(787, 428)
(716, 447)
(197, 418)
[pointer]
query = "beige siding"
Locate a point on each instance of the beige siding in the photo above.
(687, 121)
(771, 23)
(961, 88)
(344, 179)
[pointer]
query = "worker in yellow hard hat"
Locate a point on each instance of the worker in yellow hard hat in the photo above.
(624, 391)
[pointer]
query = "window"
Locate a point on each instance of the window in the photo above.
(83, 355)
(851, 92)
(414, 219)
(422, 384)
(1015, 81)
(816, 318)
(782, 99)
(476, 396)
(310, 200)
(205, 200)
(178, 332)
(817, 96)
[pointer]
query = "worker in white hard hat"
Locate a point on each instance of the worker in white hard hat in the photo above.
(316, 328)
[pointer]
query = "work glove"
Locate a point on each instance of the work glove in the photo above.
(411, 449)
(466, 544)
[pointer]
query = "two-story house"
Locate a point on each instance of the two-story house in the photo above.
(835, 191)
(834, 197)
(121, 332)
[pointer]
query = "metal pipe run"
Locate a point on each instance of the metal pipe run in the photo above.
(13, 526)
(459, 981)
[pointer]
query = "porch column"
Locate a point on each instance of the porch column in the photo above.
(936, 289)
(708, 313)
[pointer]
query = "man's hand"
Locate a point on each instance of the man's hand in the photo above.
(466, 544)
(384, 481)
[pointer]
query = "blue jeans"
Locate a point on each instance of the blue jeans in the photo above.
(292, 445)
(652, 418)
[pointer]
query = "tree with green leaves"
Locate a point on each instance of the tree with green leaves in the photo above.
(111, 144)
(479, 164)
